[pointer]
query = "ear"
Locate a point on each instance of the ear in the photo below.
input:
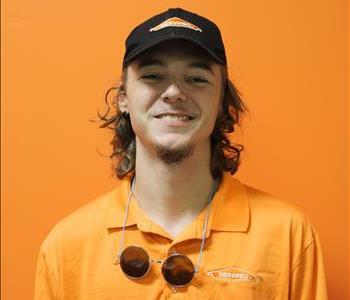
(122, 102)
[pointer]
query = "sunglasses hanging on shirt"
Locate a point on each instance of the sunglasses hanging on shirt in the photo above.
(177, 269)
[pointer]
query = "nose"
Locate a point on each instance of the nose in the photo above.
(173, 94)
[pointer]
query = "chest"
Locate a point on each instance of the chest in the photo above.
(231, 268)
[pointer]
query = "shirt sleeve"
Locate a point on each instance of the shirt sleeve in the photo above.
(307, 277)
(45, 283)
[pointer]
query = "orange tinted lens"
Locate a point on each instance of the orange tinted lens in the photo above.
(134, 262)
(178, 270)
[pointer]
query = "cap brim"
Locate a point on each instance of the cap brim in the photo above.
(145, 47)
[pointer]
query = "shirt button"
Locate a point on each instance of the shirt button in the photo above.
(173, 289)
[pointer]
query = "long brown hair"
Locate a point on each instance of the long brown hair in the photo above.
(225, 156)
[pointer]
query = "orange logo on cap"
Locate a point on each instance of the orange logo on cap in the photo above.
(176, 22)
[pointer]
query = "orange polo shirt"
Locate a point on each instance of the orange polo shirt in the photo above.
(256, 247)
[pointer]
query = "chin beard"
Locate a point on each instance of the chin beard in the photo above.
(173, 156)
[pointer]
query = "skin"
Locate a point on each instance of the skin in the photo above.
(173, 77)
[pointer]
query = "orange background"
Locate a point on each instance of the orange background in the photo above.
(288, 59)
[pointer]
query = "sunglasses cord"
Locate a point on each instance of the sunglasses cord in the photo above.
(122, 238)
(205, 225)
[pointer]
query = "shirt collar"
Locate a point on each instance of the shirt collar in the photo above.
(230, 206)
(116, 206)
(232, 212)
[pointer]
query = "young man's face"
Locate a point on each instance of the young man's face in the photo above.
(173, 93)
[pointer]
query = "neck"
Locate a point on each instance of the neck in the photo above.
(172, 195)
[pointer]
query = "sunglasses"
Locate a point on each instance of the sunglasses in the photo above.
(177, 269)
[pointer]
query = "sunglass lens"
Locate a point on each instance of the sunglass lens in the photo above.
(178, 270)
(134, 262)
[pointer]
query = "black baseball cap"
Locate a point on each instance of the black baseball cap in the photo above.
(175, 23)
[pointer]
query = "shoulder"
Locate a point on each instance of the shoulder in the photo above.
(273, 217)
(83, 223)
(280, 225)
(279, 217)
(269, 205)
(260, 204)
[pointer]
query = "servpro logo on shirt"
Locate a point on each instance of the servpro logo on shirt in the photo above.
(175, 22)
(234, 273)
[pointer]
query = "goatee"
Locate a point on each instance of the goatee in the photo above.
(173, 156)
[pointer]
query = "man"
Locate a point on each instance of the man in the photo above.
(178, 225)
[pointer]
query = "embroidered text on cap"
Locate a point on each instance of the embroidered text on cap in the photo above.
(176, 22)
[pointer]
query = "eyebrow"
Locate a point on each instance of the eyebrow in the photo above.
(149, 62)
(157, 62)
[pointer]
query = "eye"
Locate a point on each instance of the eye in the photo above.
(197, 80)
(152, 76)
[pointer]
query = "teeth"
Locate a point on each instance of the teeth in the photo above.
(174, 117)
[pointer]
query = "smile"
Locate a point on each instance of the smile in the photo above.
(174, 117)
